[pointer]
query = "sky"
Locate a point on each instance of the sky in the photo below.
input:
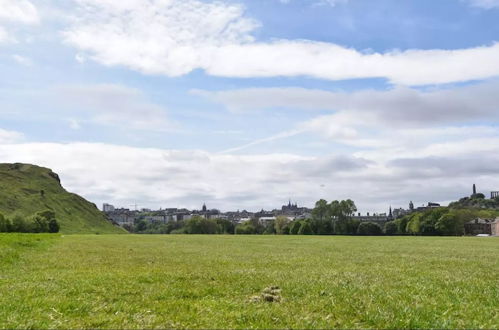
(245, 104)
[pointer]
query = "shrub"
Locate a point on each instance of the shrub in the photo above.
(369, 229)
(450, 224)
(5, 225)
(45, 222)
(305, 229)
(200, 225)
(391, 228)
(54, 226)
(280, 223)
(246, 228)
(225, 226)
(295, 228)
(39, 224)
(20, 225)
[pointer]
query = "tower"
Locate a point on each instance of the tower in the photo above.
(390, 214)
(474, 189)
(411, 206)
(204, 207)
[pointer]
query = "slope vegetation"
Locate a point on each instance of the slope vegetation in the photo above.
(26, 189)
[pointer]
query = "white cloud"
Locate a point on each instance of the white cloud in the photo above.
(175, 37)
(378, 122)
(331, 3)
(19, 11)
(16, 12)
(22, 60)
(486, 4)
(10, 136)
(115, 105)
(169, 37)
(398, 106)
(3, 35)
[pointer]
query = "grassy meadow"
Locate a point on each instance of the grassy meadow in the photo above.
(131, 281)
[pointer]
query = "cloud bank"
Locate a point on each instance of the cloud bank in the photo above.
(171, 178)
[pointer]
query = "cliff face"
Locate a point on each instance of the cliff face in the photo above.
(26, 189)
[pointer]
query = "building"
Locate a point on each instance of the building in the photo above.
(292, 210)
(163, 219)
(107, 208)
(482, 226)
(123, 216)
(267, 220)
(380, 218)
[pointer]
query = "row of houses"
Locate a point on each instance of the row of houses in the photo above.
(124, 216)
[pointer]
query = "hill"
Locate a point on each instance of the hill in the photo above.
(26, 189)
(476, 201)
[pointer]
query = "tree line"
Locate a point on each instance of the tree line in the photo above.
(328, 218)
(41, 222)
(335, 218)
(442, 221)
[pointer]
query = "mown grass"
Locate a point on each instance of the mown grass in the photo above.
(128, 281)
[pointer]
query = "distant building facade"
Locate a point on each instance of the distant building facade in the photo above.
(482, 226)
(107, 207)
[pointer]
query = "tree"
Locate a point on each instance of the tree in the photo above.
(402, 224)
(246, 228)
(449, 224)
(478, 196)
(280, 225)
(391, 228)
(225, 226)
(40, 224)
(270, 228)
(200, 225)
(305, 229)
(53, 226)
(140, 226)
(45, 222)
(342, 212)
(369, 229)
(20, 225)
(5, 225)
(295, 227)
(321, 210)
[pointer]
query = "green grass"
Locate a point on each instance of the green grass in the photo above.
(129, 281)
(20, 193)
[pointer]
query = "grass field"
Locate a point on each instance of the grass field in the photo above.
(128, 281)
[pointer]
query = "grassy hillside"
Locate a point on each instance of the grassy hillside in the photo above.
(27, 189)
(189, 281)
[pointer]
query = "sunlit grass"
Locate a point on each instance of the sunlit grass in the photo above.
(208, 282)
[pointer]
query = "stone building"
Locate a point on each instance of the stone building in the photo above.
(482, 226)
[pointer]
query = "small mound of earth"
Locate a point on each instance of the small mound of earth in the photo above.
(272, 294)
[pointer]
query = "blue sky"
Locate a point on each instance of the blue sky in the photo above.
(245, 104)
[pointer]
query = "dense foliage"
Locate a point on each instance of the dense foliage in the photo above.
(334, 218)
(41, 222)
(476, 201)
(445, 221)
